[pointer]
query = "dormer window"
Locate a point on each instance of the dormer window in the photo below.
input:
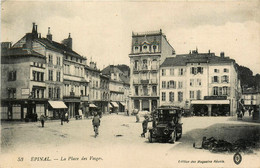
(145, 47)
(136, 48)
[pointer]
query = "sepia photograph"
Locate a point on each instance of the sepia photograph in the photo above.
(130, 84)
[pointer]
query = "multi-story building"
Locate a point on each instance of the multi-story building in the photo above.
(251, 97)
(93, 75)
(23, 88)
(148, 52)
(206, 83)
(119, 88)
(104, 93)
(49, 72)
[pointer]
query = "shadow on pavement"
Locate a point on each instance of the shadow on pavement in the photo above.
(221, 131)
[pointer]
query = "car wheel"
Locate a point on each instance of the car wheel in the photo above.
(150, 138)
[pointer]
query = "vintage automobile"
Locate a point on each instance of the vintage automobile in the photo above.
(166, 124)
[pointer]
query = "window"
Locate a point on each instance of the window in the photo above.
(57, 92)
(163, 84)
(58, 60)
(136, 65)
(50, 59)
(180, 96)
(171, 84)
(136, 90)
(191, 94)
(145, 64)
(180, 84)
(196, 70)
(11, 93)
(226, 70)
(172, 72)
(215, 90)
(225, 90)
(50, 92)
(198, 82)
(154, 89)
(181, 71)
(145, 47)
(216, 70)
(171, 96)
(154, 48)
(38, 76)
(12, 76)
(50, 75)
(136, 48)
(58, 76)
(225, 78)
(198, 94)
(163, 72)
(191, 82)
(215, 79)
(163, 96)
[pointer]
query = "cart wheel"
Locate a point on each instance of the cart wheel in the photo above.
(150, 138)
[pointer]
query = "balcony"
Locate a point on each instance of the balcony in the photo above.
(145, 82)
(153, 81)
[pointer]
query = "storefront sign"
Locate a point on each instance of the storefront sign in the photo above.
(215, 97)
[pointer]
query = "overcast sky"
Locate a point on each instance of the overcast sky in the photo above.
(102, 30)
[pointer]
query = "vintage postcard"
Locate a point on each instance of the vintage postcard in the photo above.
(123, 84)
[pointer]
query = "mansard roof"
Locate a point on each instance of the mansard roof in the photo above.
(22, 52)
(184, 59)
(58, 46)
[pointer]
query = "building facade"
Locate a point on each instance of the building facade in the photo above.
(118, 87)
(148, 52)
(50, 73)
(205, 83)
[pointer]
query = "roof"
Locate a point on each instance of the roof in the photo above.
(58, 46)
(22, 52)
(114, 69)
(183, 59)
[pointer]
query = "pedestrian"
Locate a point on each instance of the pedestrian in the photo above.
(66, 117)
(96, 122)
(61, 118)
(127, 112)
(137, 115)
(42, 119)
(145, 125)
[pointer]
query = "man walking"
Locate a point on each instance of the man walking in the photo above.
(96, 123)
(42, 119)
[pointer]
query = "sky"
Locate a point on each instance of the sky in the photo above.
(101, 31)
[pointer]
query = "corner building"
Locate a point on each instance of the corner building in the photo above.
(203, 82)
(148, 52)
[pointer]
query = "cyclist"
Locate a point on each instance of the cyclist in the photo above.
(96, 123)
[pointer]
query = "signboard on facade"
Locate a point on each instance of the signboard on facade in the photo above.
(25, 91)
(215, 97)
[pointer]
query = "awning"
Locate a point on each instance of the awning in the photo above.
(114, 104)
(92, 105)
(57, 104)
(210, 102)
(123, 103)
(110, 106)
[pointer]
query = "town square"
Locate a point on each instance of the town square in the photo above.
(130, 84)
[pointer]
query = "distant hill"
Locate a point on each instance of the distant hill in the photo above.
(247, 78)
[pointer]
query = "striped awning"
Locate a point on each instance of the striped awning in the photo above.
(114, 104)
(92, 105)
(57, 104)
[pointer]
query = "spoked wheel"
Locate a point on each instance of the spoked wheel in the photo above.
(150, 138)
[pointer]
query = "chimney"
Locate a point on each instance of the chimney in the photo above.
(33, 29)
(49, 35)
(209, 51)
(222, 54)
(67, 42)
